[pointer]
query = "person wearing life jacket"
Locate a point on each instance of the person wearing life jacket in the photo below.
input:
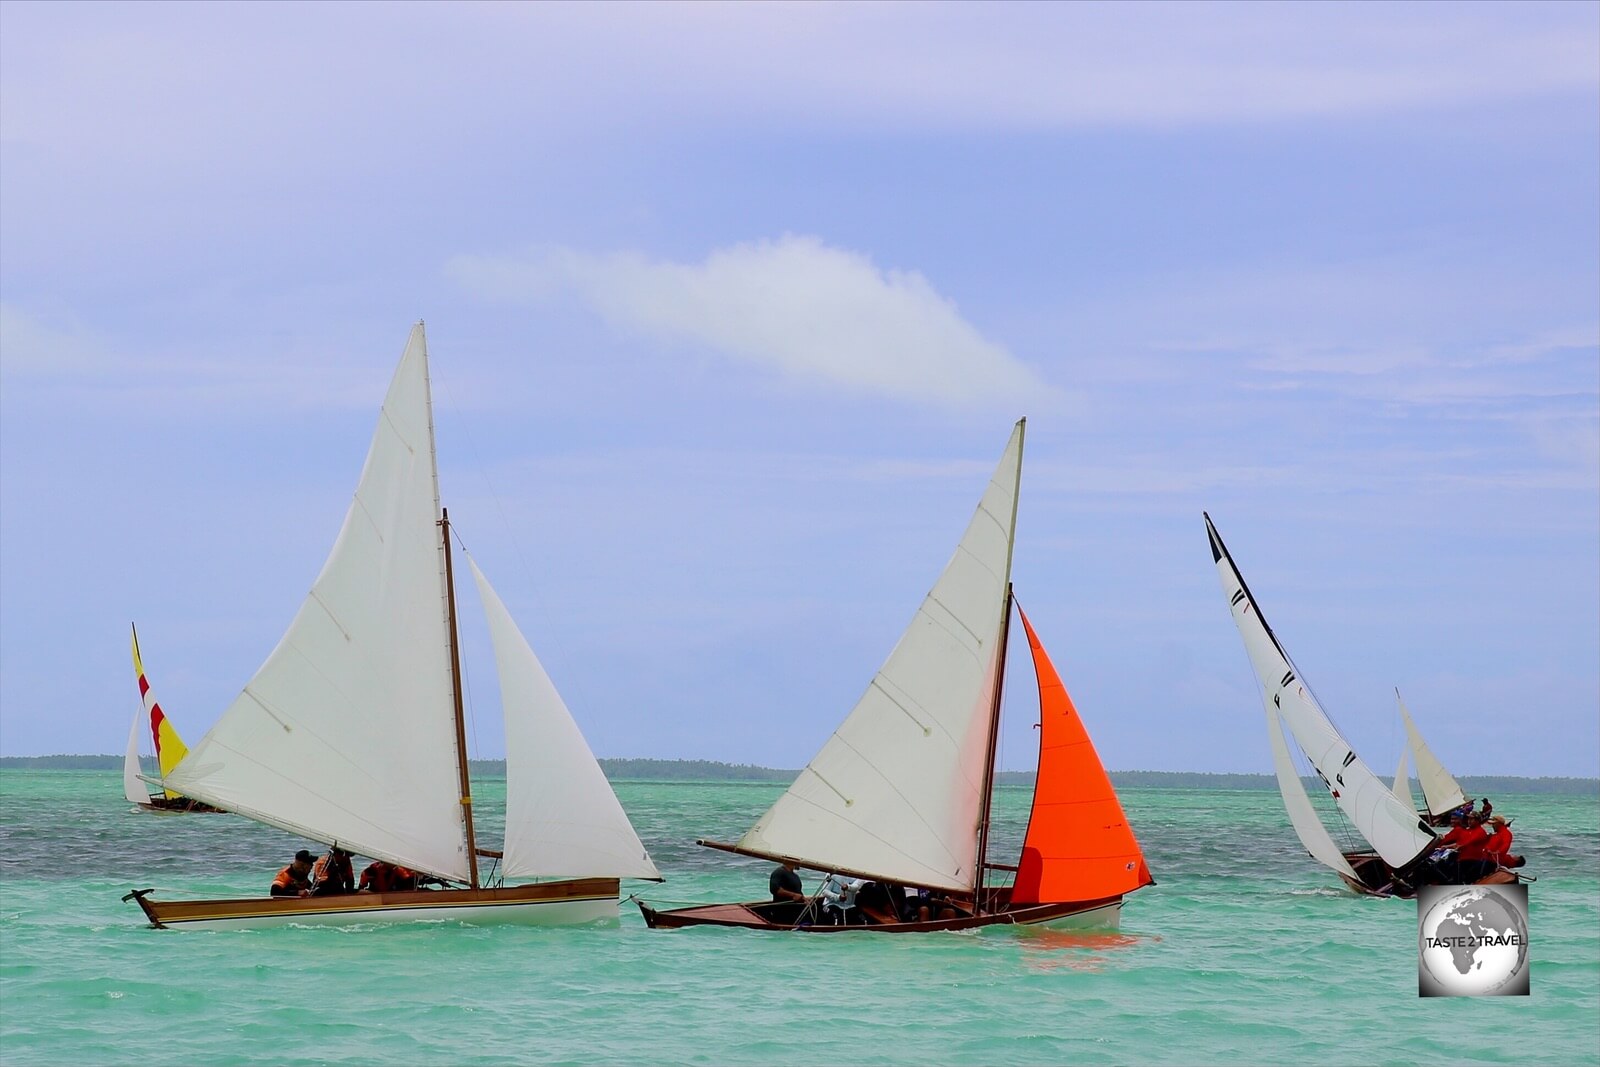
(332, 875)
(295, 879)
(381, 877)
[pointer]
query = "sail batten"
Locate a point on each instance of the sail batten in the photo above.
(897, 793)
(1389, 826)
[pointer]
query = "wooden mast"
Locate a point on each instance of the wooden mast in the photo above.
(455, 686)
(994, 743)
(999, 683)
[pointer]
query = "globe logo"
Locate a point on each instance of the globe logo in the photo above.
(1472, 941)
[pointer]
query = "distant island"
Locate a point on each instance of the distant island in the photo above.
(699, 770)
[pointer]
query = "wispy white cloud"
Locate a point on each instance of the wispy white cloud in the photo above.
(239, 88)
(794, 305)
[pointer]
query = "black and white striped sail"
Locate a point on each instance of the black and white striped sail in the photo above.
(1441, 790)
(1391, 827)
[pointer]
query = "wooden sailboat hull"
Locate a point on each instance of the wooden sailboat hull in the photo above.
(178, 806)
(1377, 878)
(761, 915)
(581, 900)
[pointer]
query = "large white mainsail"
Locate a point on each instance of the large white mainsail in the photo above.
(1389, 826)
(562, 818)
(1440, 789)
(896, 791)
(347, 733)
(132, 785)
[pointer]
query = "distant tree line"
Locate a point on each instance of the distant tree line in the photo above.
(699, 770)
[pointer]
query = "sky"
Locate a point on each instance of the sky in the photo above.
(731, 309)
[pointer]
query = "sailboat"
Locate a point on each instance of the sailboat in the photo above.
(901, 794)
(1399, 841)
(352, 732)
(1441, 792)
(170, 749)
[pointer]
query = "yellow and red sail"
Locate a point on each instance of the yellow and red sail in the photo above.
(169, 746)
(1079, 845)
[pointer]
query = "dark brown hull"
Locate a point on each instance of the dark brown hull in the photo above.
(578, 900)
(179, 806)
(1377, 878)
(762, 915)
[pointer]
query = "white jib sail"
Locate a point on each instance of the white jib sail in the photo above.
(1402, 784)
(896, 791)
(1307, 824)
(1392, 828)
(133, 786)
(1440, 789)
(347, 733)
(562, 818)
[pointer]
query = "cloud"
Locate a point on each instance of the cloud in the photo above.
(794, 305)
(299, 89)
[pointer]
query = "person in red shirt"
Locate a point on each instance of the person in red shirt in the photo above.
(1470, 856)
(1498, 847)
(1458, 827)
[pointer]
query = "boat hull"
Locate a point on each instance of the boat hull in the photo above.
(1375, 878)
(1097, 914)
(581, 900)
(178, 806)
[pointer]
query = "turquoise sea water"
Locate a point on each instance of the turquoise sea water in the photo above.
(1245, 952)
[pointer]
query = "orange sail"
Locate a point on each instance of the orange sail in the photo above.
(169, 746)
(1079, 845)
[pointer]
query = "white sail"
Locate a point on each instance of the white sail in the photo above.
(132, 785)
(1402, 784)
(347, 733)
(1441, 790)
(1377, 814)
(896, 791)
(562, 818)
(1313, 834)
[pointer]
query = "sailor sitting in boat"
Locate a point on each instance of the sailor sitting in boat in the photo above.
(839, 898)
(295, 879)
(333, 874)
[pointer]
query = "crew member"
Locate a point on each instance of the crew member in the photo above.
(785, 884)
(332, 875)
(1498, 848)
(381, 877)
(295, 879)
